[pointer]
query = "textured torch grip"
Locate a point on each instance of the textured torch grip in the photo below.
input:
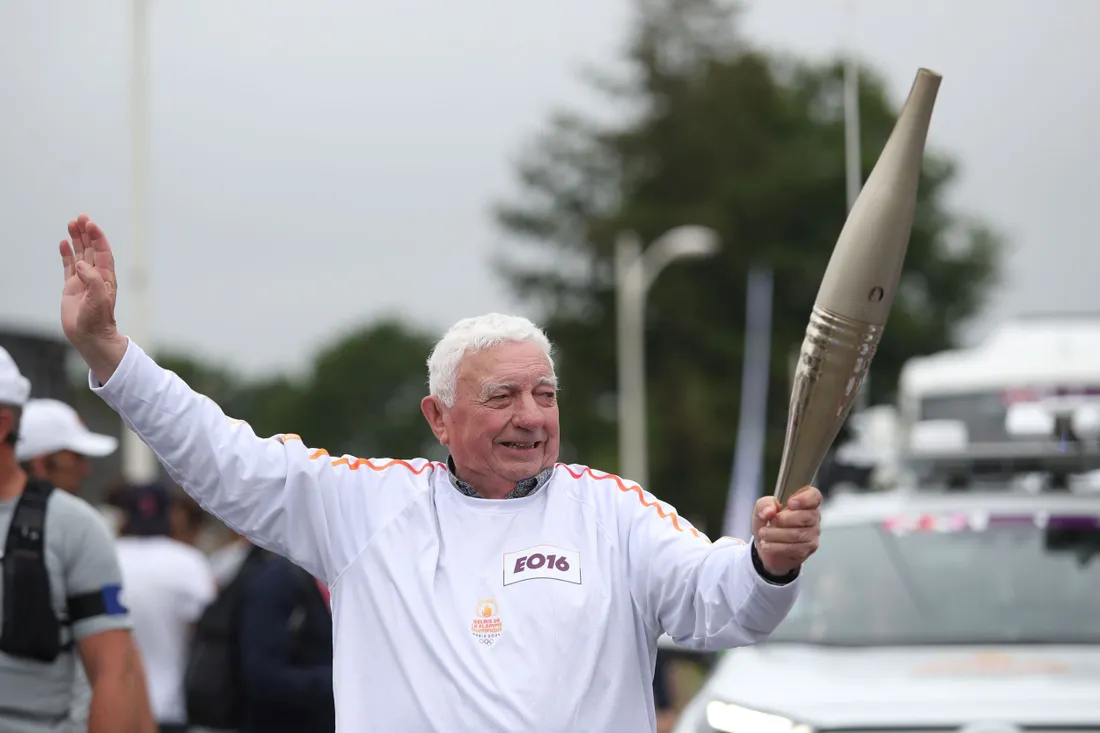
(835, 356)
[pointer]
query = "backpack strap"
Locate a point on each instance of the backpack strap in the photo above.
(31, 628)
(28, 524)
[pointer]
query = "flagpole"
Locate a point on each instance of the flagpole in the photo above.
(747, 479)
(853, 175)
(139, 465)
(852, 162)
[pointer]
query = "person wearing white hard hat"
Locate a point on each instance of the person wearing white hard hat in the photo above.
(61, 600)
(55, 445)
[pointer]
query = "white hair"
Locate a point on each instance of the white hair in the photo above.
(471, 335)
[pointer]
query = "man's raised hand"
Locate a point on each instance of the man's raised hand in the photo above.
(88, 299)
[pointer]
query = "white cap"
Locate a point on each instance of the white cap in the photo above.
(49, 426)
(15, 389)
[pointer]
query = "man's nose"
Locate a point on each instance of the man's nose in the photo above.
(528, 414)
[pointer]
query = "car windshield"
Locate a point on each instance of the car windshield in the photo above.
(952, 579)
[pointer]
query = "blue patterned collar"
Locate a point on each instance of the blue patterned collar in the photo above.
(526, 487)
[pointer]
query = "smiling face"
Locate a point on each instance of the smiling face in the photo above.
(503, 426)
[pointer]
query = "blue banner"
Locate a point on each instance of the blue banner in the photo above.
(746, 481)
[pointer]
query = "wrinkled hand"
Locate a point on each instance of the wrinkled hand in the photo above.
(88, 300)
(786, 537)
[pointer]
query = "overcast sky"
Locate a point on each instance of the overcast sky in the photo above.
(317, 164)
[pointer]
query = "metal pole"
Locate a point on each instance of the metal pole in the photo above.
(853, 173)
(635, 271)
(630, 325)
(852, 162)
(138, 462)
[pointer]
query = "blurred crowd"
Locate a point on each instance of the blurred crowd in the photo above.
(175, 563)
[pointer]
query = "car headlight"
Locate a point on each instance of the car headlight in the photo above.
(725, 717)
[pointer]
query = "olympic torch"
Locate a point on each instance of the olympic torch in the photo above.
(856, 294)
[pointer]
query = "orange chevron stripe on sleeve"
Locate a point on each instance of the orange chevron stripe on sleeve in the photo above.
(634, 488)
(355, 464)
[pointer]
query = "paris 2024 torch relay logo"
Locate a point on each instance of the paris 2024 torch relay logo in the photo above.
(486, 626)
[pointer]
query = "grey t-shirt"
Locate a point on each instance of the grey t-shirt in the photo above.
(36, 697)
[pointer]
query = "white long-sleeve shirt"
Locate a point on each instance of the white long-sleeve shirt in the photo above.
(456, 613)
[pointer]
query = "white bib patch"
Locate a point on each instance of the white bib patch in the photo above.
(542, 561)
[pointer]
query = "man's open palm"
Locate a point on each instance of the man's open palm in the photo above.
(88, 300)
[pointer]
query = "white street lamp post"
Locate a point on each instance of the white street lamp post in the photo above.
(635, 271)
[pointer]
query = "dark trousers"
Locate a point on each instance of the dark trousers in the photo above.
(171, 728)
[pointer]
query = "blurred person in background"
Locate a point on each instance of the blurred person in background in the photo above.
(286, 652)
(169, 585)
(186, 519)
(56, 446)
(662, 693)
(213, 687)
(61, 598)
(228, 558)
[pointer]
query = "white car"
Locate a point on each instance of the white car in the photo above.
(921, 612)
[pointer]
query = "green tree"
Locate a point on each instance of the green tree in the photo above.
(216, 382)
(751, 144)
(268, 405)
(363, 395)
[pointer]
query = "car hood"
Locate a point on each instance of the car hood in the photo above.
(930, 686)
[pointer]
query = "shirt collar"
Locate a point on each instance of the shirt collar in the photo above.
(526, 487)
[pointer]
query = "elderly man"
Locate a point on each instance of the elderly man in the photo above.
(499, 591)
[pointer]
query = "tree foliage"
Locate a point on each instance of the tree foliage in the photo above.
(364, 395)
(361, 397)
(750, 144)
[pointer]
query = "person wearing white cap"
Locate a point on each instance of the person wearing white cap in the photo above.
(61, 600)
(55, 445)
(15, 390)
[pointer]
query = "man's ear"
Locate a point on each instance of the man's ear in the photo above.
(7, 425)
(433, 413)
(39, 466)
